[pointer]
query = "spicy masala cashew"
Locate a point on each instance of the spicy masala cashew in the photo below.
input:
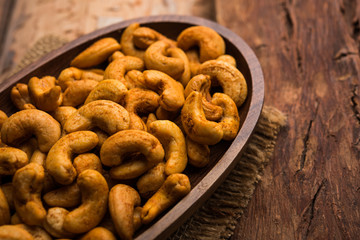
(151, 181)
(123, 199)
(28, 183)
(109, 89)
(12, 159)
(104, 114)
(77, 92)
(58, 161)
(20, 97)
(95, 54)
(22, 125)
(70, 75)
(173, 141)
(175, 187)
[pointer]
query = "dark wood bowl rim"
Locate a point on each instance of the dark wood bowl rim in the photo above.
(177, 215)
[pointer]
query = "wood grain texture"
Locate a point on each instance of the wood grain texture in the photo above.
(309, 52)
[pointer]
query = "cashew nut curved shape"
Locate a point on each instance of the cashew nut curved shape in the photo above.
(127, 43)
(12, 159)
(134, 166)
(115, 148)
(230, 79)
(22, 125)
(157, 58)
(104, 114)
(195, 124)
(230, 122)
(94, 200)
(66, 197)
(143, 37)
(96, 53)
(122, 201)
(45, 94)
(140, 101)
(109, 89)
(179, 53)
(171, 92)
(28, 183)
(162, 114)
(199, 154)
(4, 209)
(98, 233)
(77, 92)
(12, 232)
(202, 84)
(115, 55)
(173, 141)
(151, 181)
(120, 66)
(135, 79)
(54, 223)
(3, 117)
(211, 44)
(20, 97)
(175, 187)
(58, 160)
(87, 161)
(69, 75)
(62, 113)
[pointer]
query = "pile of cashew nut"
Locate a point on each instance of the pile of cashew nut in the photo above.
(97, 153)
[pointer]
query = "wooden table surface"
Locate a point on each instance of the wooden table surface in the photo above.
(309, 52)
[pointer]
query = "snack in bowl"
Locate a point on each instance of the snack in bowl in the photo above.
(152, 123)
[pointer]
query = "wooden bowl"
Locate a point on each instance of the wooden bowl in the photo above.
(224, 155)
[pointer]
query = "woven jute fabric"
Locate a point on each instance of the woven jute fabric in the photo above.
(218, 217)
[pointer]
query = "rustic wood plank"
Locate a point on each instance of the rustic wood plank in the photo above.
(309, 54)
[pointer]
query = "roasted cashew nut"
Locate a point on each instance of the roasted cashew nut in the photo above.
(117, 146)
(143, 37)
(122, 201)
(87, 161)
(62, 113)
(158, 58)
(94, 200)
(95, 54)
(115, 55)
(171, 92)
(77, 92)
(54, 223)
(20, 97)
(135, 79)
(151, 181)
(109, 89)
(104, 114)
(58, 160)
(175, 187)
(202, 84)
(134, 166)
(194, 61)
(173, 141)
(37, 232)
(28, 183)
(179, 53)
(69, 75)
(127, 43)
(12, 159)
(7, 190)
(12, 232)
(3, 117)
(199, 154)
(230, 79)
(140, 101)
(22, 125)
(4, 209)
(195, 124)
(45, 94)
(227, 58)
(120, 66)
(230, 122)
(211, 44)
(66, 197)
(100, 233)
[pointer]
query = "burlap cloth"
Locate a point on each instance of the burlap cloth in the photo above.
(218, 217)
